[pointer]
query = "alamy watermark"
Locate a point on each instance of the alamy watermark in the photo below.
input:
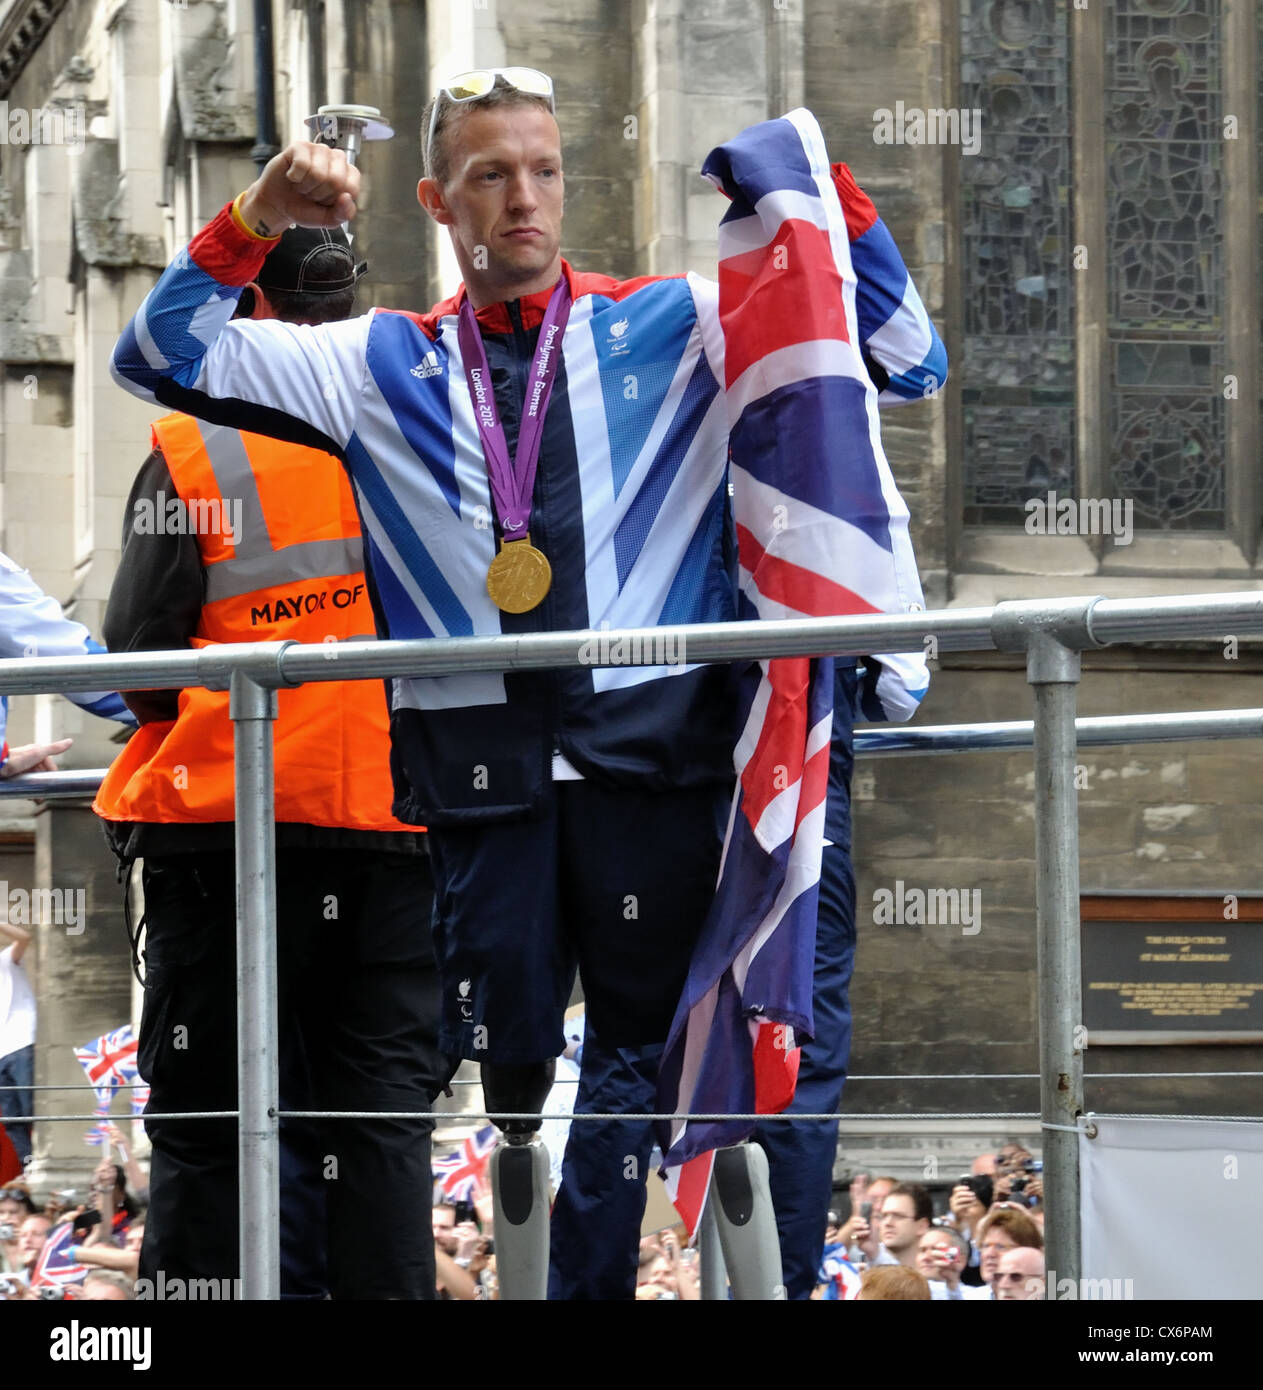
(1080, 516)
(931, 907)
(87, 1342)
(44, 125)
(636, 649)
(915, 125)
(59, 907)
(1080, 1290)
(186, 1290)
(161, 515)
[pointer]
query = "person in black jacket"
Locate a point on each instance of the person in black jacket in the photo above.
(357, 983)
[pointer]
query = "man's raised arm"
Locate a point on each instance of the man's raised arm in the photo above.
(181, 351)
(907, 361)
(902, 351)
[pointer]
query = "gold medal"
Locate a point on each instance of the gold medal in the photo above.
(519, 576)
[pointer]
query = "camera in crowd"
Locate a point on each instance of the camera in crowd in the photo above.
(979, 1184)
(1017, 1188)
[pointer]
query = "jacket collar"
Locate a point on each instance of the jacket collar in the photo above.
(495, 317)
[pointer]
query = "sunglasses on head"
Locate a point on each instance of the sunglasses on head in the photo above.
(469, 86)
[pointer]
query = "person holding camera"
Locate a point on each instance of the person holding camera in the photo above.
(108, 1194)
(858, 1233)
(942, 1255)
(15, 1207)
(968, 1205)
(1018, 1175)
(666, 1271)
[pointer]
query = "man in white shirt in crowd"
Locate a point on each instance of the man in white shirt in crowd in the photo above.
(942, 1254)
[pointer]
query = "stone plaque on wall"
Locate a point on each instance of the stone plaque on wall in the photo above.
(1172, 970)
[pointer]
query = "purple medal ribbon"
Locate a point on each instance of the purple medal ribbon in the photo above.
(513, 483)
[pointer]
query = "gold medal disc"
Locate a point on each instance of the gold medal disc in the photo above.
(519, 577)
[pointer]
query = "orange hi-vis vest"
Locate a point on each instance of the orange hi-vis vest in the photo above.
(283, 560)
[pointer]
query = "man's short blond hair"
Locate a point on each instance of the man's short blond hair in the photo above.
(436, 158)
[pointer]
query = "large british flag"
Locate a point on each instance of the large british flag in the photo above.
(822, 531)
(461, 1174)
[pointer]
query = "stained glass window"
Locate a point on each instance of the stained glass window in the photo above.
(1164, 133)
(1018, 341)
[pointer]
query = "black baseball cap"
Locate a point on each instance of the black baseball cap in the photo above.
(290, 263)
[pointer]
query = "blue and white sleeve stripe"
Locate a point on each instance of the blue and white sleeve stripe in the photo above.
(902, 349)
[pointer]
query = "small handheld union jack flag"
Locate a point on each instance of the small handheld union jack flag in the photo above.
(460, 1174)
(96, 1135)
(110, 1062)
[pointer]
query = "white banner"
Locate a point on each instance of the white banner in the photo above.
(1172, 1209)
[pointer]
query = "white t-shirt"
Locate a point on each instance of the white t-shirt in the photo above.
(17, 1005)
(967, 1293)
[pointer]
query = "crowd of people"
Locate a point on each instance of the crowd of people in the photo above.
(64, 1249)
(295, 433)
(988, 1244)
(464, 1248)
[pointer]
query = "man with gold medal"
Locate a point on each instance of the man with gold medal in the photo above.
(545, 451)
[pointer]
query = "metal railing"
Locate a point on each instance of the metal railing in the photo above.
(1051, 634)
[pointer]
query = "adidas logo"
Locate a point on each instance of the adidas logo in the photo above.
(427, 367)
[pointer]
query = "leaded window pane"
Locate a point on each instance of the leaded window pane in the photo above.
(1164, 132)
(1018, 341)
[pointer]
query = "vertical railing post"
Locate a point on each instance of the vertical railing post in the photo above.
(1052, 634)
(1053, 672)
(253, 710)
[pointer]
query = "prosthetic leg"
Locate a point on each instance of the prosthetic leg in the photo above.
(519, 1178)
(741, 1201)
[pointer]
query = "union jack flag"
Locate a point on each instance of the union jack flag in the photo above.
(822, 531)
(96, 1135)
(460, 1174)
(110, 1062)
(55, 1265)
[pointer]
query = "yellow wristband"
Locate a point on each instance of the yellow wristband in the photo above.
(240, 221)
